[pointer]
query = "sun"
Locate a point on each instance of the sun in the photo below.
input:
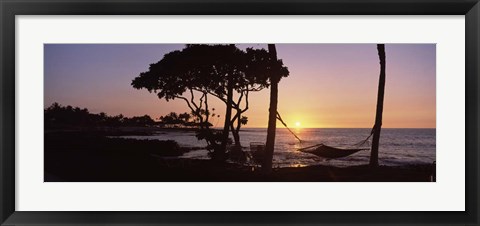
(298, 124)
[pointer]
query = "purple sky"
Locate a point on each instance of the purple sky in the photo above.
(330, 85)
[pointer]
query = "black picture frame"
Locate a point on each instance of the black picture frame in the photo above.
(10, 8)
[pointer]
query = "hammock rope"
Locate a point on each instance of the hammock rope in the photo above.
(313, 146)
(285, 124)
(361, 143)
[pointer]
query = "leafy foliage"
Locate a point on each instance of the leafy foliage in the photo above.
(211, 70)
(61, 116)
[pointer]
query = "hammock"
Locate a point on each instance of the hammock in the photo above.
(325, 151)
(329, 152)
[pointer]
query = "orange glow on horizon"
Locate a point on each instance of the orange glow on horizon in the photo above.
(329, 86)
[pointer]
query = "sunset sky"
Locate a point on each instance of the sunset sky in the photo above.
(330, 85)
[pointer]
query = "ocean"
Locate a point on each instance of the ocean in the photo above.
(397, 146)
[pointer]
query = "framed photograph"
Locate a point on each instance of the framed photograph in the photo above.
(211, 112)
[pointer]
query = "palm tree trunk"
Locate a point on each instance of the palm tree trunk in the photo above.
(378, 117)
(272, 115)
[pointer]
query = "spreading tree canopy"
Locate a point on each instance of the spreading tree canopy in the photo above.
(198, 72)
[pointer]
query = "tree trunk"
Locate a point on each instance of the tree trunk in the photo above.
(272, 114)
(236, 153)
(221, 153)
(378, 117)
(236, 129)
(236, 137)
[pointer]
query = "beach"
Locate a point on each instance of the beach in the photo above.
(94, 157)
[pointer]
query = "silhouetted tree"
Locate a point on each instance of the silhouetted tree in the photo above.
(145, 120)
(204, 70)
(256, 77)
(185, 118)
(174, 119)
(272, 112)
(195, 70)
(378, 116)
(228, 112)
(59, 116)
(171, 119)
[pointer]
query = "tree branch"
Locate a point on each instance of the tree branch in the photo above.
(201, 101)
(207, 114)
(192, 99)
(216, 95)
(246, 102)
(188, 103)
